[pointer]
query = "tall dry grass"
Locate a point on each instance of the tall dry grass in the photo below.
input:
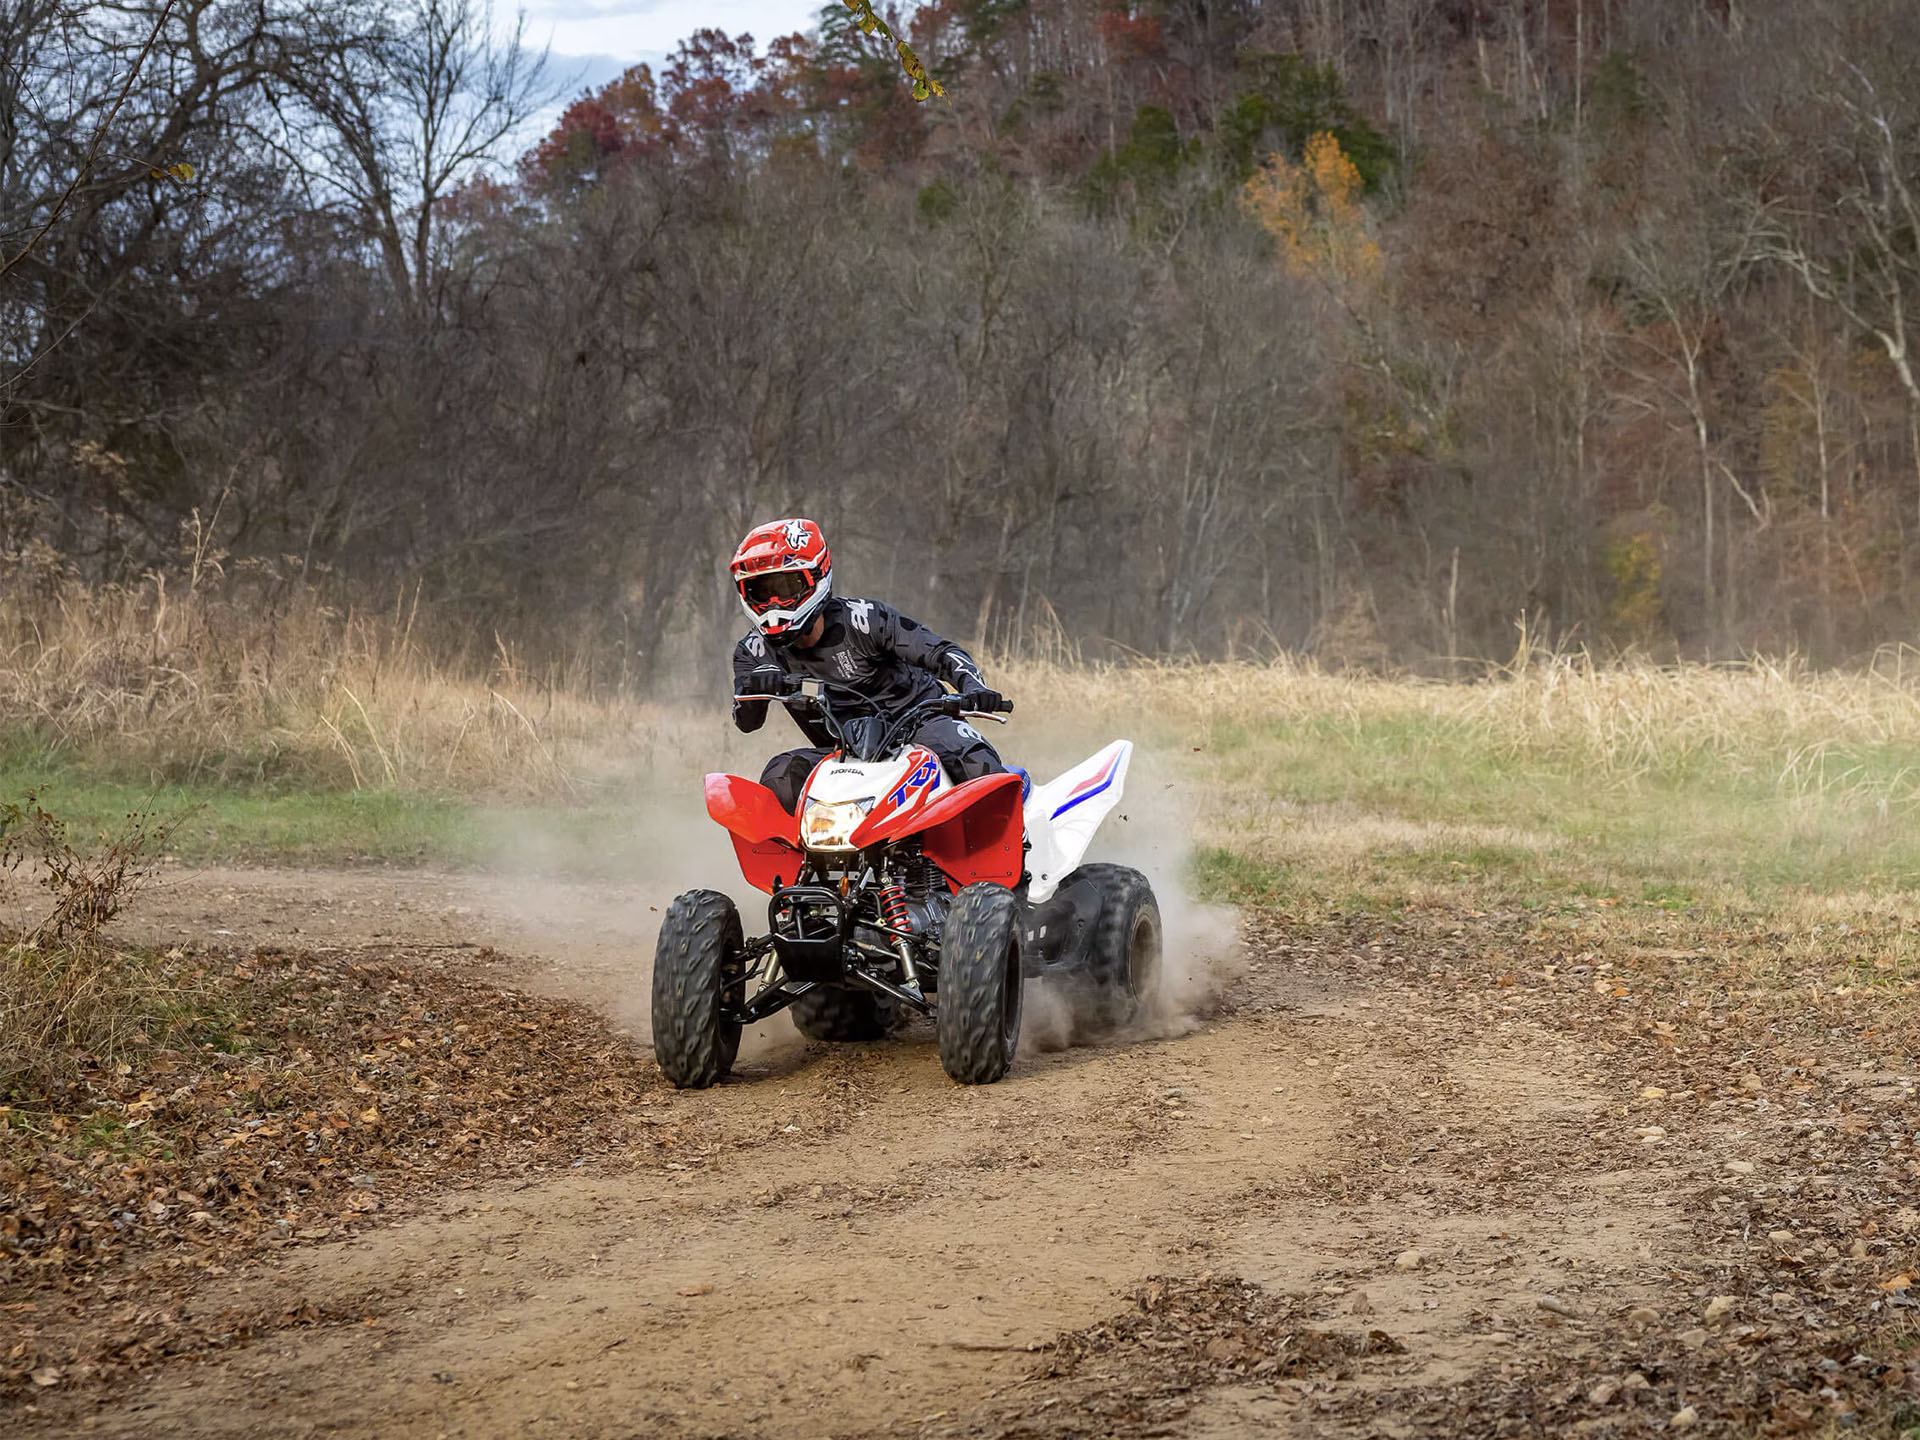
(253, 678)
(1837, 734)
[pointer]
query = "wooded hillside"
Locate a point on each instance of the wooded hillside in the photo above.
(1360, 327)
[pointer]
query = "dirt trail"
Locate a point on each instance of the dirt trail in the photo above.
(854, 1245)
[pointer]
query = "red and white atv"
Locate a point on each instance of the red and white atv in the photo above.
(894, 890)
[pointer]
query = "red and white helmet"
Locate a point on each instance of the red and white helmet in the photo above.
(784, 573)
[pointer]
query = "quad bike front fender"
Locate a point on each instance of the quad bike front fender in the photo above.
(766, 838)
(972, 833)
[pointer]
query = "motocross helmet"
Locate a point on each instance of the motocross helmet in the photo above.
(784, 573)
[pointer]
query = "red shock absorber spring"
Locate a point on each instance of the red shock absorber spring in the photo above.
(893, 906)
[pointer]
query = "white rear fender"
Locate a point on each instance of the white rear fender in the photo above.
(1062, 815)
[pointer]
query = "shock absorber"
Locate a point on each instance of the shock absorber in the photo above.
(893, 909)
(893, 905)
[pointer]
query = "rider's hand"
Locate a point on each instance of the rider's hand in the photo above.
(768, 680)
(983, 701)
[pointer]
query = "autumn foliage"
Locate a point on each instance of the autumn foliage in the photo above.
(1374, 331)
(1315, 212)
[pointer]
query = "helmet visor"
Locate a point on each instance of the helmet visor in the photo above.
(777, 589)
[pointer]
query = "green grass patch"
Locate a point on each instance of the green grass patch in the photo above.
(605, 837)
(1838, 824)
(1226, 877)
(252, 824)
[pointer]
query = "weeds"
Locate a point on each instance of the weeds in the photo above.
(69, 997)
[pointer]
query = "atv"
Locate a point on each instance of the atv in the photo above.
(894, 891)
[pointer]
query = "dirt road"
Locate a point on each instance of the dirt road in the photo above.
(1435, 1178)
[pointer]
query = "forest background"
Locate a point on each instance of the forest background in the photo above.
(1361, 328)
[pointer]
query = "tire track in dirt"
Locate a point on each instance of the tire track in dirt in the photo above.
(850, 1244)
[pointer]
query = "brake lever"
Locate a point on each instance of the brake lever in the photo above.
(993, 715)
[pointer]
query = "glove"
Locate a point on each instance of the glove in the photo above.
(770, 681)
(984, 700)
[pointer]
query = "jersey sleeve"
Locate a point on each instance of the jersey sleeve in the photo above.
(748, 656)
(917, 645)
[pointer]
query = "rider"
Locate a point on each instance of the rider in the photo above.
(803, 631)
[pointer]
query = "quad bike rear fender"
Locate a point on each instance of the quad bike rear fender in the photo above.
(765, 837)
(973, 832)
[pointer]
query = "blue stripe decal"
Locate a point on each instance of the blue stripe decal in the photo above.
(1082, 799)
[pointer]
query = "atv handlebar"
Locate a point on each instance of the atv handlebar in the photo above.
(954, 706)
(901, 726)
(945, 705)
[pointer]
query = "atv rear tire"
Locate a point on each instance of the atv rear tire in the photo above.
(824, 1013)
(1124, 956)
(978, 1016)
(698, 955)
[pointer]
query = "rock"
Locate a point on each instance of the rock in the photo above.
(1740, 1167)
(1683, 1417)
(1603, 1392)
(1693, 1339)
(1752, 1082)
(1782, 1238)
(1643, 1317)
(1635, 1382)
(1409, 1260)
(1858, 1250)
(1719, 1308)
(1653, 1092)
(1557, 1306)
(1360, 1304)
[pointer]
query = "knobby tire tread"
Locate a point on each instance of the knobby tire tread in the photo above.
(1124, 891)
(699, 933)
(980, 928)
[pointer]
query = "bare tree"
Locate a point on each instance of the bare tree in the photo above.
(1848, 235)
(410, 103)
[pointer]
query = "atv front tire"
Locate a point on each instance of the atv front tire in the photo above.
(978, 1016)
(698, 955)
(824, 1013)
(1124, 956)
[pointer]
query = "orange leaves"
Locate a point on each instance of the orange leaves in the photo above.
(1313, 211)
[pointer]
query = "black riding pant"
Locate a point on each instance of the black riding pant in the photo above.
(963, 752)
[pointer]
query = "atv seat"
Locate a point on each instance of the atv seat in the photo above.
(1026, 781)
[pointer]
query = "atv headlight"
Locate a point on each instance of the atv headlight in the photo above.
(829, 824)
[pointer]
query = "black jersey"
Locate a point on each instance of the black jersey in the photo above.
(892, 662)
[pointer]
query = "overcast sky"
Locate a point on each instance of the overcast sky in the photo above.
(597, 39)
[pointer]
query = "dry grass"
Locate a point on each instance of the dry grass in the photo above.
(253, 679)
(1617, 777)
(1797, 730)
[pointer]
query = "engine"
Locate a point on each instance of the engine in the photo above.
(927, 892)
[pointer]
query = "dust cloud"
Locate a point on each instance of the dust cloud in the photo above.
(586, 885)
(1150, 830)
(592, 881)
